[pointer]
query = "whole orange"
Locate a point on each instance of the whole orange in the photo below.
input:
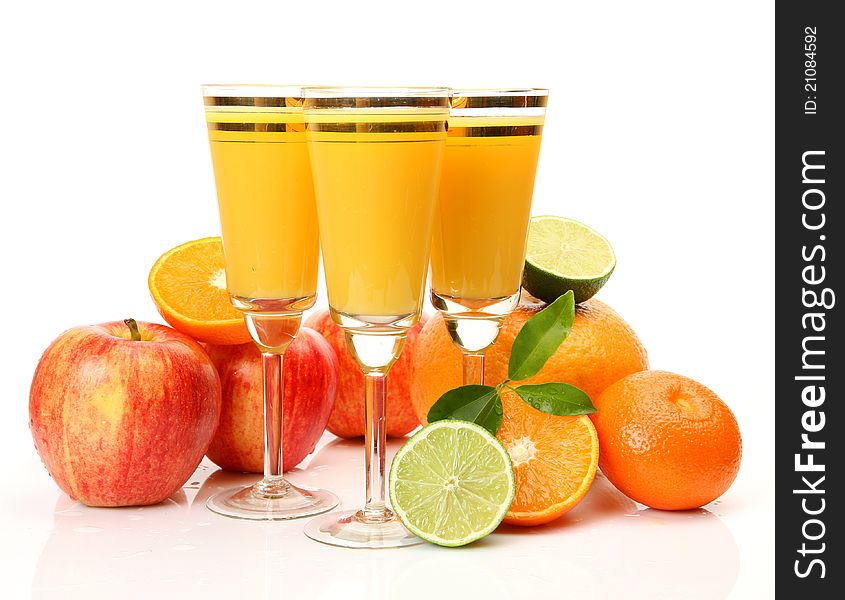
(666, 441)
(600, 349)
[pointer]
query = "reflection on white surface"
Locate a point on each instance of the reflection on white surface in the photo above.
(607, 547)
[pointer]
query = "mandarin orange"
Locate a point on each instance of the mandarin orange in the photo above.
(667, 441)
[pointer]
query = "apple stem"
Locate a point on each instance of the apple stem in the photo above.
(132, 324)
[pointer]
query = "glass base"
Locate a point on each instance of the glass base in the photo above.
(255, 505)
(350, 530)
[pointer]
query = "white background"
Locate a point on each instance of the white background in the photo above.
(659, 134)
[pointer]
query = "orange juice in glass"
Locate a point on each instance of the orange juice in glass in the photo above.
(481, 223)
(376, 155)
(265, 199)
(374, 196)
(270, 241)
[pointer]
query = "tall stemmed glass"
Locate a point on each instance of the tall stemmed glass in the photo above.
(376, 155)
(481, 223)
(270, 241)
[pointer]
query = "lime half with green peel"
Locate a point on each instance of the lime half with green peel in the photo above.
(565, 255)
(452, 483)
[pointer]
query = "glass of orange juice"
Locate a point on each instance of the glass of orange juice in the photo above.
(481, 221)
(376, 155)
(270, 242)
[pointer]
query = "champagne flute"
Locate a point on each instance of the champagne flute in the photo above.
(376, 155)
(270, 242)
(481, 222)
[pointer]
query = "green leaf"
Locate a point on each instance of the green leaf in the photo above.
(540, 337)
(479, 404)
(559, 399)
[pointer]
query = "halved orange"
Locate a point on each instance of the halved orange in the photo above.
(554, 460)
(188, 286)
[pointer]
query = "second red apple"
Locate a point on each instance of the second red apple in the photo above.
(347, 418)
(310, 386)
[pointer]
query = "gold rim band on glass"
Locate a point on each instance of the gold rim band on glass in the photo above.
(257, 127)
(515, 98)
(428, 126)
(505, 130)
(235, 110)
(375, 97)
(497, 112)
(253, 101)
(253, 95)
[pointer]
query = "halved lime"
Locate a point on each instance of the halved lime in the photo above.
(451, 483)
(564, 255)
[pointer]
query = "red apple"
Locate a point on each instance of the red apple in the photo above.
(123, 417)
(310, 373)
(347, 419)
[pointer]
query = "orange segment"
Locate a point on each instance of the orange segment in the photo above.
(554, 460)
(188, 286)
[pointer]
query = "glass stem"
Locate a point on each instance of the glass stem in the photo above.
(273, 334)
(375, 354)
(473, 369)
(375, 384)
(273, 483)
